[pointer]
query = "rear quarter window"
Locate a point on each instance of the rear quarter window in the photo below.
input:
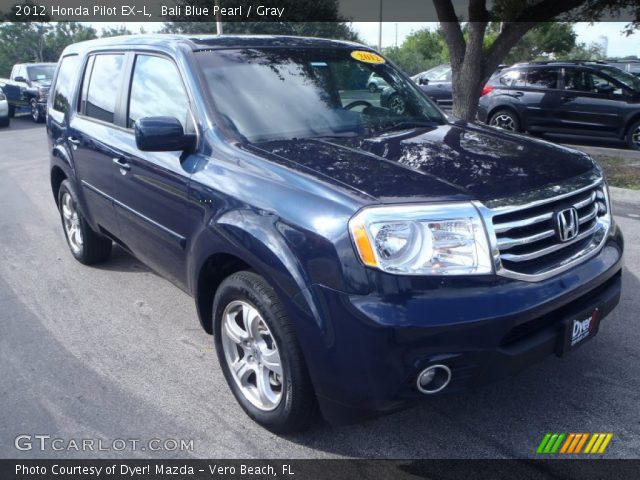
(512, 78)
(542, 78)
(65, 81)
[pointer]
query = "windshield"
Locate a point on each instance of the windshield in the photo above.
(623, 77)
(41, 72)
(284, 93)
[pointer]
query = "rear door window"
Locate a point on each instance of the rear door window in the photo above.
(542, 78)
(103, 86)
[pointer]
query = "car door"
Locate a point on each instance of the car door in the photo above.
(592, 103)
(151, 190)
(539, 96)
(91, 137)
(439, 88)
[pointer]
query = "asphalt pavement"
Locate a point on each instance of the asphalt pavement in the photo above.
(116, 352)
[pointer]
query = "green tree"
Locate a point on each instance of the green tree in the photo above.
(547, 40)
(115, 32)
(312, 18)
(420, 51)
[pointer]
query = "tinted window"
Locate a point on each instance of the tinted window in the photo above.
(103, 87)
(64, 83)
(512, 78)
(157, 91)
(585, 81)
(542, 78)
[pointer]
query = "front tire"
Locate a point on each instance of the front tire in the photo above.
(86, 246)
(259, 354)
(36, 114)
(633, 136)
(4, 122)
(505, 120)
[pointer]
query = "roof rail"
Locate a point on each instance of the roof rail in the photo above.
(562, 62)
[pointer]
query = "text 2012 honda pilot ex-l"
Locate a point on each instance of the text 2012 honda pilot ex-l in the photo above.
(344, 257)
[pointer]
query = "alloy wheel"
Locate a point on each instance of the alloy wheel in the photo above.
(252, 355)
(504, 122)
(71, 221)
(397, 105)
(635, 137)
(35, 114)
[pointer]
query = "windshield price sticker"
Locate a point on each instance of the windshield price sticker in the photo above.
(367, 57)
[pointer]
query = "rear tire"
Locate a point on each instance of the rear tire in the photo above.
(505, 120)
(373, 88)
(633, 136)
(86, 246)
(12, 111)
(259, 354)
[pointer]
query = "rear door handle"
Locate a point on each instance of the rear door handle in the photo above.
(122, 163)
(73, 140)
(518, 94)
(566, 98)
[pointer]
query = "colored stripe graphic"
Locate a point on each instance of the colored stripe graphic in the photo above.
(550, 443)
(543, 443)
(581, 442)
(598, 443)
(573, 443)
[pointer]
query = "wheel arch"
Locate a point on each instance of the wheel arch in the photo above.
(628, 124)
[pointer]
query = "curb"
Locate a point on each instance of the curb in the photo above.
(625, 195)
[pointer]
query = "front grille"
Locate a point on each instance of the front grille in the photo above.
(529, 240)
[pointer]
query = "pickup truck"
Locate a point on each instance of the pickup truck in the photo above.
(28, 87)
(344, 256)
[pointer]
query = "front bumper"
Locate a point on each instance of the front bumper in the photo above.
(373, 347)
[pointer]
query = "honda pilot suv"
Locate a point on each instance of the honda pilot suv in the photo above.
(345, 258)
(577, 98)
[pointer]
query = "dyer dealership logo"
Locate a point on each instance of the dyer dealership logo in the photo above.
(574, 443)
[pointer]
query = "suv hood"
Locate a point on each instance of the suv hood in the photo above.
(448, 162)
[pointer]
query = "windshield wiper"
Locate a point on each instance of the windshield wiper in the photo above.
(407, 125)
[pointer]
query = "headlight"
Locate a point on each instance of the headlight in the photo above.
(422, 239)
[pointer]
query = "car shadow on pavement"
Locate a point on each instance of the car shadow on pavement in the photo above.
(122, 261)
(595, 388)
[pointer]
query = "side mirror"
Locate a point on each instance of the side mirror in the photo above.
(423, 81)
(162, 134)
(20, 79)
(605, 89)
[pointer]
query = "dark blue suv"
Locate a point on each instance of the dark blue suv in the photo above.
(344, 256)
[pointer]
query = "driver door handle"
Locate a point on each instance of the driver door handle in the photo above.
(122, 163)
(73, 140)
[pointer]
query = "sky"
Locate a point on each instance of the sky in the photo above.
(618, 44)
